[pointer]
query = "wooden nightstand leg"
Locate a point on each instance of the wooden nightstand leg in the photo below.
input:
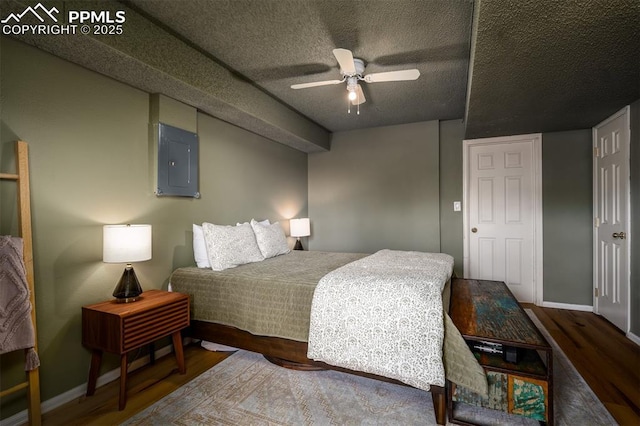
(122, 401)
(177, 346)
(152, 353)
(96, 360)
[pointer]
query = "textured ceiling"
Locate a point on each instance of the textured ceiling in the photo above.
(504, 66)
(552, 65)
(277, 43)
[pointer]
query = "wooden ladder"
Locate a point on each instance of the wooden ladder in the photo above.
(21, 177)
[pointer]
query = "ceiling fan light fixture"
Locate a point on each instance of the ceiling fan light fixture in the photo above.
(352, 72)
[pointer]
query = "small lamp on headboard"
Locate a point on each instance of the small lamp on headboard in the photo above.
(299, 228)
(126, 244)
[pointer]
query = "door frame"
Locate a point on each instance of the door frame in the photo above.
(626, 111)
(536, 140)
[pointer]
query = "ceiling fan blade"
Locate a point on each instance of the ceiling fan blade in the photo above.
(315, 84)
(360, 99)
(402, 75)
(345, 59)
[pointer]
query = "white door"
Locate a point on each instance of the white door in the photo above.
(612, 219)
(503, 209)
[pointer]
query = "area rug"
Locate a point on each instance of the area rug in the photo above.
(246, 389)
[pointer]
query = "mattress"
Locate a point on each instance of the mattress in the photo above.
(273, 298)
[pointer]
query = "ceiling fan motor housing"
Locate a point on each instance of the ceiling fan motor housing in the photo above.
(352, 82)
(359, 66)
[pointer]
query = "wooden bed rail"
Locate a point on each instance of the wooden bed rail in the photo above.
(21, 177)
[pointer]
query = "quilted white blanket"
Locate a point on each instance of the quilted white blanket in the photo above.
(383, 315)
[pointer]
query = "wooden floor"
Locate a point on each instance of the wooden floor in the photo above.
(144, 387)
(608, 361)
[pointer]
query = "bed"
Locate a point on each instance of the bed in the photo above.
(266, 307)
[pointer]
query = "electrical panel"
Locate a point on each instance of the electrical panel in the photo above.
(177, 162)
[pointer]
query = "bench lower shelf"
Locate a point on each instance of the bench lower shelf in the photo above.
(509, 393)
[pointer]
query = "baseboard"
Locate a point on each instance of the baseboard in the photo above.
(22, 417)
(635, 339)
(584, 308)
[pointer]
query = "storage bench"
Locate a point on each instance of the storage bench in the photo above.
(516, 357)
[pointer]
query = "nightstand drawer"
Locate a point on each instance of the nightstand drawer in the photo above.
(122, 327)
(138, 330)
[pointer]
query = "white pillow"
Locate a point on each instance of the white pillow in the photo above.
(271, 239)
(230, 246)
(200, 248)
(262, 222)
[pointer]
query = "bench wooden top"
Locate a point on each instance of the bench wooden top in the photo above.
(486, 310)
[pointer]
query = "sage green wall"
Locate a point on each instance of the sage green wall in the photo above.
(567, 203)
(89, 159)
(635, 218)
(451, 137)
(376, 188)
(364, 178)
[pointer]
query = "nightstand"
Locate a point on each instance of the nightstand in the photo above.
(122, 327)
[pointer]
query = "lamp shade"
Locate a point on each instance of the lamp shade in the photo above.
(126, 243)
(300, 227)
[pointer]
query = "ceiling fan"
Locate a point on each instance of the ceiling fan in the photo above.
(352, 71)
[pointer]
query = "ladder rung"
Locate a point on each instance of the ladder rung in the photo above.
(9, 176)
(16, 388)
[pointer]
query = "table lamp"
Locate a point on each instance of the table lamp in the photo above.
(299, 228)
(126, 244)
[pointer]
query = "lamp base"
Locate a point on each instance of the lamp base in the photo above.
(128, 288)
(298, 245)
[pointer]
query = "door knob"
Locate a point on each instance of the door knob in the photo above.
(474, 230)
(620, 235)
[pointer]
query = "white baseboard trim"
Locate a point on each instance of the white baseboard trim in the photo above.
(584, 308)
(635, 339)
(23, 416)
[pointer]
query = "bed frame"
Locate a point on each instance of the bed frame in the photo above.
(291, 354)
(21, 177)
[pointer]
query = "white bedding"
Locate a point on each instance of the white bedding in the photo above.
(383, 315)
